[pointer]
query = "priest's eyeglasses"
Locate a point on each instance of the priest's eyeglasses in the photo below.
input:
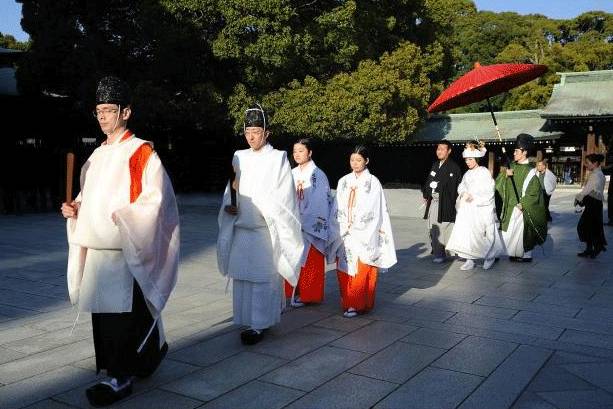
(105, 111)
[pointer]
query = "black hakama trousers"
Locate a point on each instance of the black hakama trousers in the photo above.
(118, 336)
(590, 227)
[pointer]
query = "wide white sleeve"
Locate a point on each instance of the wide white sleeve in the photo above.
(334, 246)
(149, 229)
(225, 222)
(590, 185)
(482, 188)
(462, 187)
(280, 210)
(377, 232)
(315, 219)
(76, 253)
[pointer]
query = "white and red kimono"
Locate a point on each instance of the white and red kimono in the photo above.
(313, 196)
(363, 238)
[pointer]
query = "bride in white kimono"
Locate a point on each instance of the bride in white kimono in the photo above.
(475, 234)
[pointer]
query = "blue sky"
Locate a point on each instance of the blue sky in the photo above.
(10, 11)
(549, 8)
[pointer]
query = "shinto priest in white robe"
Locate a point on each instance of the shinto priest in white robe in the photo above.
(475, 234)
(106, 257)
(262, 244)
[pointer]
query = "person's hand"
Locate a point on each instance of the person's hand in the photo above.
(469, 197)
(509, 172)
(70, 211)
(520, 207)
(233, 210)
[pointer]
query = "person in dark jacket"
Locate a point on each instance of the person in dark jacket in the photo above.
(440, 192)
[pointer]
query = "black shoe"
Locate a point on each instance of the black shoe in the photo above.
(525, 259)
(108, 392)
(251, 336)
(585, 253)
(514, 259)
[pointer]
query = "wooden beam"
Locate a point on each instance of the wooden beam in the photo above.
(490, 162)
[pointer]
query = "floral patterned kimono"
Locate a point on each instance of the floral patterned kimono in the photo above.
(363, 240)
(313, 197)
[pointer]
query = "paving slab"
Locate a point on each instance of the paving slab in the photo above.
(255, 395)
(578, 399)
(432, 388)
(374, 337)
(530, 400)
(210, 351)
(159, 399)
(315, 368)
(398, 362)
(496, 312)
(475, 355)
(511, 303)
(297, 343)
(434, 338)
(346, 391)
(598, 374)
(553, 378)
(39, 387)
(209, 383)
(507, 382)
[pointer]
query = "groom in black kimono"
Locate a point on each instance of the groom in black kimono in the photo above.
(440, 192)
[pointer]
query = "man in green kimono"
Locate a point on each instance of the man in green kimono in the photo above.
(523, 219)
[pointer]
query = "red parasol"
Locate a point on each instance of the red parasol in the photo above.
(483, 82)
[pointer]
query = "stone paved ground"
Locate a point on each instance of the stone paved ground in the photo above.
(517, 336)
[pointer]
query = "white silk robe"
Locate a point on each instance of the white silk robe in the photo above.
(361, 227)
(475, 234)
(313, 194)
(262, 245)
(142, 244)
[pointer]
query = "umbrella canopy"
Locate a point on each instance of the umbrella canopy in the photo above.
(485, 81)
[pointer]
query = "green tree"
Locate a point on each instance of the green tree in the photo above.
(8, 41)
(380, 102)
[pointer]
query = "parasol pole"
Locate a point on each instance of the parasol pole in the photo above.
(504, 151)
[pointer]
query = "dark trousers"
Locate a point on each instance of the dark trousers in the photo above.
(117, 337)
(547, 199)
(590, 228)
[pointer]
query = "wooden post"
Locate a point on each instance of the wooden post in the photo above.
(69, 173)
(583, 154)
(539, 155)
(591, 142)
(490, 162)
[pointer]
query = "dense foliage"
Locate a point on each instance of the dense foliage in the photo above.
(358, 69)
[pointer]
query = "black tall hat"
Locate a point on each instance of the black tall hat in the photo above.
(112, 90)
(525, 142)
(255, 117)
